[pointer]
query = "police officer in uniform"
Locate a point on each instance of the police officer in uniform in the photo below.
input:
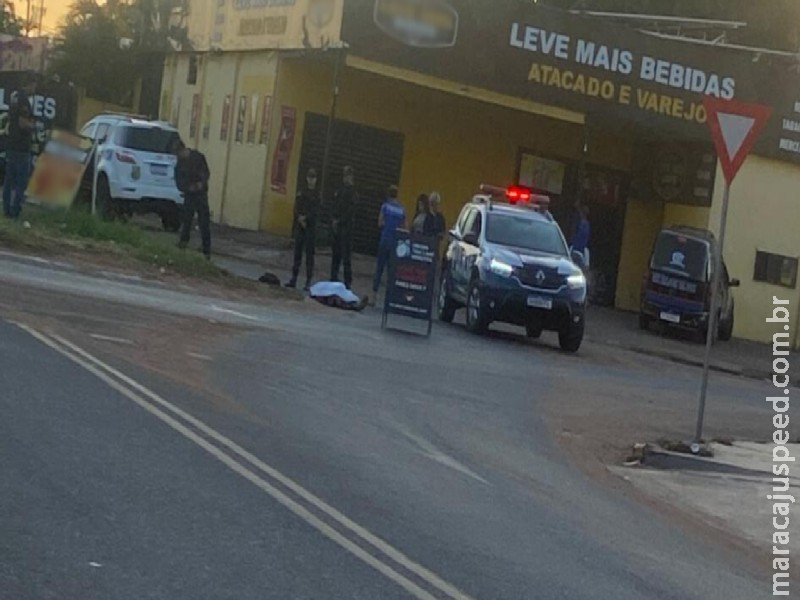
(191, 177)
(306, 209)
(343, 214)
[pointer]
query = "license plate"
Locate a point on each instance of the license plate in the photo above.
(160, 170)
(539, 302)
(670, 317)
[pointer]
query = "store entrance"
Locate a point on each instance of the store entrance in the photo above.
(604, 192)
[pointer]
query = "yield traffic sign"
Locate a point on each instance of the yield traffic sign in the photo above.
(735, 127)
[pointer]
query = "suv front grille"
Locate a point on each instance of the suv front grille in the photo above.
(528, 276)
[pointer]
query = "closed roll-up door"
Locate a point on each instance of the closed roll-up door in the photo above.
(375, 154)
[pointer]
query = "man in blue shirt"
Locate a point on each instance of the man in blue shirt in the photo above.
(392, 218)
(582, 233)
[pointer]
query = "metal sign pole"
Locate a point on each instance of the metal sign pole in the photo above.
(340, 50)
(712, 318)
(95, 160)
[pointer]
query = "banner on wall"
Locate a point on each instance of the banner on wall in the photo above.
(241, 114)
(265, 120)
(54, 106)
(207, 118)
(252, 121)
(226, 118)
(258, 24)
(283, 149)
(195, 117)
(59, 169)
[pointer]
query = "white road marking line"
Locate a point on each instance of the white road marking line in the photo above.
(437, 455)
(204, 357)
(234, 313)
(108, 338)
(85, 360)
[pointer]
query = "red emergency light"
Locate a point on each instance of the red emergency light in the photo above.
(518, 194)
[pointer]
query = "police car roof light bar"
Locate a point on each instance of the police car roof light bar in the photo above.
(518, 195)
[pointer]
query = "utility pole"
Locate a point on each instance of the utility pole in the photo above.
(41, 16)
(340, 49)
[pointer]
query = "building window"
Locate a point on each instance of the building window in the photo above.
(191, 77)
(776, 269)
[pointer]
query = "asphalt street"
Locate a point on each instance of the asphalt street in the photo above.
(159, 444)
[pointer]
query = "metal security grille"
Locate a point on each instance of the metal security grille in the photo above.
(377, 157)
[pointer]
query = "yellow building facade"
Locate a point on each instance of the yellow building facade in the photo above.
(254, 107)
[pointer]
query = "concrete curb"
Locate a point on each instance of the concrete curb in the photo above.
(688, 361)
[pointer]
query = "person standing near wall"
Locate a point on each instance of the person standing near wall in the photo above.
(392, 218)
(342, 223)
(439, 223)
(18, 148)
(306, 207)
(191, 177)
(423, 219)
(582, 233)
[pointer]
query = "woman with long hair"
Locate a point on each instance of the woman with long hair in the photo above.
(423, 223)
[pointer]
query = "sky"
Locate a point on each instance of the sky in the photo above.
(54, 12)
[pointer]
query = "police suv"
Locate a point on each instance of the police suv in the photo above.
(135, 169)
(507, 260)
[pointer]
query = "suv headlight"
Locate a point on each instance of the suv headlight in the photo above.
(576, 281)
(500, 268)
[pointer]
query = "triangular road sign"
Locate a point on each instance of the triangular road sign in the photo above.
(735, 127)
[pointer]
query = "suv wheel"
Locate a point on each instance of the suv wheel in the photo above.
(445, 305)
(571, 337)
(476, 314)
(171, 220)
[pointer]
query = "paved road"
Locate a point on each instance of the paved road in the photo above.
(439, 448)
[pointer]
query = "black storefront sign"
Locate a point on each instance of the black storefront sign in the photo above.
(675, 172)
(412, 275)
(54, 105)
(611, 72)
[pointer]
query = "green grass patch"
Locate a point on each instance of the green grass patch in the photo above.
(74, 230)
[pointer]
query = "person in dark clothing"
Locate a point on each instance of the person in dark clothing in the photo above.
(18, 149)
(439, 222)
(191, 176)
(423, 222)
(582, 232)
(306, 207)
(342, 222)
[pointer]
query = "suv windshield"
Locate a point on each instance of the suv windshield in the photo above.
(524, 232)
(146, 139)
(680, 254)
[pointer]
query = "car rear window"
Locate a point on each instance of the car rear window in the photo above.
(146, 139)
(682, 255)
(524, 232)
